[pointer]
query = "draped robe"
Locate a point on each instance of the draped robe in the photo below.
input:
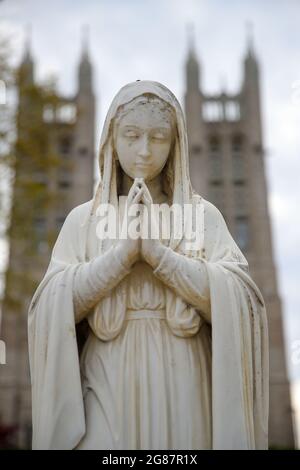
(177, 356)
(217, 338)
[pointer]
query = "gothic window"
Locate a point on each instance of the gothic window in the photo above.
(238, 160)
(240, 199)
(65, 145)
(83, 151)
(40, 231)
(196, 149)
(215, 159)
(242, 232)
(48, 113)
(39, 224)
(212, 111)
(214, 144)
(64, 184)
(258, 149)
(232, 110)
(64, 176)
(66, 113)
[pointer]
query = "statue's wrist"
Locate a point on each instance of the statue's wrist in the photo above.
(123, 257)
(156, 253)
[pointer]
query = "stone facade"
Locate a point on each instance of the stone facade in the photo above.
(227, 167)
(71, 133)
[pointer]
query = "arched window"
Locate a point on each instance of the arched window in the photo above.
(215, 159)
(238, 158)
(242, 233)
(232, 110)
(212, 111)
(65, 145)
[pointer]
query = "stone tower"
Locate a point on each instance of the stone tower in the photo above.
(227, 167)
(69, 126)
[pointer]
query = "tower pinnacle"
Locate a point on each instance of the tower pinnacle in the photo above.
(85, 67)
(27, 65)
(192, 64)
(85, 33)
(249, 38)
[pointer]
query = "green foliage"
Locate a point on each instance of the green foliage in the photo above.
(6, 114)
(29, 160)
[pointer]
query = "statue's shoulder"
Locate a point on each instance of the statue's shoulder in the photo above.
(211, 212)
(79, 214)
(212, 215)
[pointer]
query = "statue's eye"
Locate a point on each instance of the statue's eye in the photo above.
(159, 136)
(131, 134)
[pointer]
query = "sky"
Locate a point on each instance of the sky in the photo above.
(131, 39)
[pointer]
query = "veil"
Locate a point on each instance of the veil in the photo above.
(106, 192)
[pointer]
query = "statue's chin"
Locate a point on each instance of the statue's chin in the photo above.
(140, 173)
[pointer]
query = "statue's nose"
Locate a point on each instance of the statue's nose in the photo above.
(144, 150)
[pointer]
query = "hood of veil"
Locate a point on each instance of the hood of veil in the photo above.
(106, 191)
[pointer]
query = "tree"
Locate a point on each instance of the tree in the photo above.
(6, 138)
(33, 161)
(29, 162)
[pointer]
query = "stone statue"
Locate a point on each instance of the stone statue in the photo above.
(176, 355)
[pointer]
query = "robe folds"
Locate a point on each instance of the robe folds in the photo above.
(181, 362)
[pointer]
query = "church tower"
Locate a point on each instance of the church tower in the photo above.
(14, 379)
(227, 167)
(85, 129)
(60, 176)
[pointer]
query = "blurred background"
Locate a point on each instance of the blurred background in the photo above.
(235, 68)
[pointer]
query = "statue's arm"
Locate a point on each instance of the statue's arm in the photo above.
(185, 276)
(94, 280)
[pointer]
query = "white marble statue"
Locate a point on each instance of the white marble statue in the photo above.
(177, 350)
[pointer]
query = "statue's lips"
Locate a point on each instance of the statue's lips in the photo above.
(142, 165)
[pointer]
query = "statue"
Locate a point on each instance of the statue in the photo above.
(176, 355)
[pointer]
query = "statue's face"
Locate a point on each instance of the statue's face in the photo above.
(143, 140)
